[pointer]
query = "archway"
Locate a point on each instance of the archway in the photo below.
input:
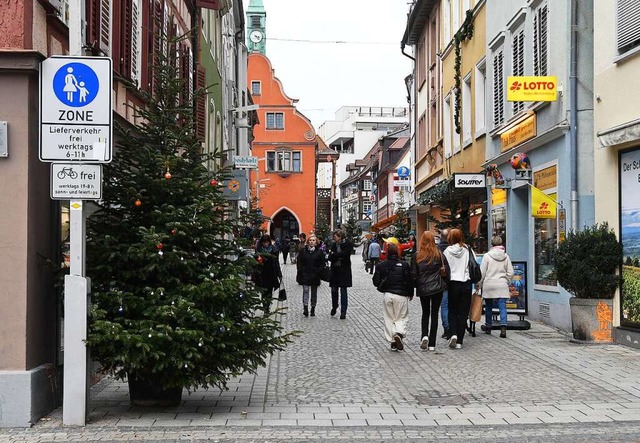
(284, 223)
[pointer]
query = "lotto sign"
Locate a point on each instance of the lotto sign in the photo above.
(75, 109)
(532, 89)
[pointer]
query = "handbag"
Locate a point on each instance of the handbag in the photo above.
(475, 275)
(475, 312)
(443, 268)
(282, 292)
(325, 274)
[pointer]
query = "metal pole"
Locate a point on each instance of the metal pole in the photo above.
(74, 400)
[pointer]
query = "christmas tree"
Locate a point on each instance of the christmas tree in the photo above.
(172, 302)
(401, 223)
(351, 228)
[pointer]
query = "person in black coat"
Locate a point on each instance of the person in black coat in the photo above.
(267, 275)
(310, 263)
(340, 258)
(393, 278)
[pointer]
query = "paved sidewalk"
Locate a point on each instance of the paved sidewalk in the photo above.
(340, 381)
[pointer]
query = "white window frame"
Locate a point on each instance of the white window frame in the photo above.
(466, 111)
(466, 5)
(455, 15)
(480, 83)
(454, 134)
(274, 127)
(446, 19)
(283, 160)
(446, 121)
(367, 184)
(259, 84)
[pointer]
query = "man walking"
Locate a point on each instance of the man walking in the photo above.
(373, 255)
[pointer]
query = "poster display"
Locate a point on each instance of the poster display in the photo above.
(517, 303)
(630, 237)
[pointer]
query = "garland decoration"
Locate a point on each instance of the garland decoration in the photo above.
(464, 33)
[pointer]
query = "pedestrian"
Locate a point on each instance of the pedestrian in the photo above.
(340, 258)
(267, 275)
(457, 254)
(310, 263)
(427, 267)
(302, 242)
(497, 272)
(293, 249)
(365, 253)
(374, 255)
(278, 245)
(393, 278)
(444, 307)
(285, 248)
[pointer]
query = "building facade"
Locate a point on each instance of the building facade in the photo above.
(617, 148)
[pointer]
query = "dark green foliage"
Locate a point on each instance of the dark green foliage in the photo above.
(171, 300)
(402, 222)
(587, 261)
(322, 227)
(352, 229)
(464, 33)
(454, 209)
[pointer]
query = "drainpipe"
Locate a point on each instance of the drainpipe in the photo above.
(404, 53)
(573, 113)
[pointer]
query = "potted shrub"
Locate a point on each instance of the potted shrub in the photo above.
(586, 265)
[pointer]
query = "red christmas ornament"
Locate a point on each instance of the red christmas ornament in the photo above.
(167, 175)
(173, 232)
(159, 246)
(213, 182)
(260, 259)
(138, 203)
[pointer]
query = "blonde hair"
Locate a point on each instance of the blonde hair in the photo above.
(312, 237)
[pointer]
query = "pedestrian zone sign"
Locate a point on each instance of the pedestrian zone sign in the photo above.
(76, 116)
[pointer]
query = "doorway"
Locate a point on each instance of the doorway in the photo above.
(284, 224)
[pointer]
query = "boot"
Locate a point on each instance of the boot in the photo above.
(313, 311)
(305, 312)
(503, 332)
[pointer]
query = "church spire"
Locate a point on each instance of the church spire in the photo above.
(256, 27)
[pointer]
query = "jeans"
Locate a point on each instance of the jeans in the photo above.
(489, 303)
(305, 295)
(344, 301)
(459, 304)
(430, 306)
(444, 311)
(373, 264)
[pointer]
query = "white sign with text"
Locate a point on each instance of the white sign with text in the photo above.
(76, 181)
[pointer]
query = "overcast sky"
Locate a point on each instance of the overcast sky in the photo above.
(367, 70)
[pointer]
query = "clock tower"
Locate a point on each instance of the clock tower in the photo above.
(256, 25)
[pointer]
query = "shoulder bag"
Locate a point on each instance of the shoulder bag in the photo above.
(474, 268)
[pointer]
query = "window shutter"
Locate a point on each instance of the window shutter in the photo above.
(126, 36)
(540, 22)
(201, 104)
(105, 26)
(498, 88)
(136, 38)
(518, 63)
(99, 24)
(628, 24)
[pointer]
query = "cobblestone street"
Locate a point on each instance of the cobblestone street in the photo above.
(340, 381)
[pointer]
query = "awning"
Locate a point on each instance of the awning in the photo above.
(383, 223)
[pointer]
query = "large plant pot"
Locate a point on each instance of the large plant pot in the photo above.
(592, 320)
(145, 393)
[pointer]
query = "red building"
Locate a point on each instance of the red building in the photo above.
(285, 143)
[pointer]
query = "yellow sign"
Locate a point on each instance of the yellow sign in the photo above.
(519, 133)
(545, 178)
(542, 205)
(532, 89)
(498, 197)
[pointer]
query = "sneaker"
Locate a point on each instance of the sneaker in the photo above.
(431, 348)
(503, 332)
(425, 342)
(333, 311)
(398, 341)
(393, 346)
(453, 341)
(458, 346)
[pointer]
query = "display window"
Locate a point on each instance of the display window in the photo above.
(630, 237)
(546, 241)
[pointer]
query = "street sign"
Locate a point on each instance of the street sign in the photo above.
(75, 109)
(245, 162)
(372, 198)
(402, 183)
(76, 181)
(403, 172)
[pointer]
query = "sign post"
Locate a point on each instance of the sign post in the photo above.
(76, 123)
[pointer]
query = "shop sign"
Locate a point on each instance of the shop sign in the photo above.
(469, 180)
(532, 88)
(542, 205)
(518, 134)
(562, 224)
(235, 187)
(498, 197)
(245, 162)
(545, 178)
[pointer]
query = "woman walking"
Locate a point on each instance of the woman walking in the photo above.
(393, 278)
(340, 258)
(457, 254)
(497, 272)
(268, 275)
(430, 270)
(310, 263)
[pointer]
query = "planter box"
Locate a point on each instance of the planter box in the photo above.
(592, 320)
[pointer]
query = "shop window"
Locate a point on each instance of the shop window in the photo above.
(545, 243)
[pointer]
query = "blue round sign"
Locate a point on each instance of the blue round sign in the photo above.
(76, 84)
(403, 172)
